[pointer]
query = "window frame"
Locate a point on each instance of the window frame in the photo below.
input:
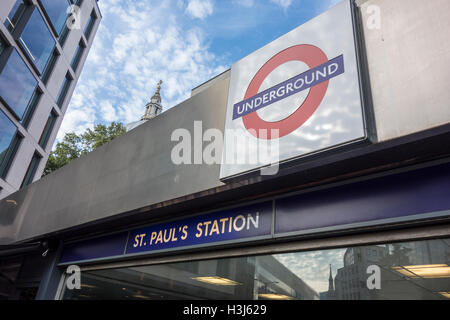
(87, 31)
(4, 59)
(23, 19)
(48, 129)
(31, 107)
(55, 32)
(63, 36)
(31, 170)
(78, 55)
(14, 145)
(63, 90)
(50, 65)
(27, 51)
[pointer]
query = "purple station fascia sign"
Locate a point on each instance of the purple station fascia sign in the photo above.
(224, 226)
(407, 196)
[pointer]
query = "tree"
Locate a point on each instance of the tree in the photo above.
(74, 146)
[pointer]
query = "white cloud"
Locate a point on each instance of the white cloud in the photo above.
(200, 8)
(283, 3)
(130, 54)
(76, 120)
(141, 42)
(108, 111)
(313, 267)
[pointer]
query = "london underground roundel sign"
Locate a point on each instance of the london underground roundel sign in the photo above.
(313, 57)
(265, 104)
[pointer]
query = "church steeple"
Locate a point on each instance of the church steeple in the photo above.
(154, 107)
(330, 282)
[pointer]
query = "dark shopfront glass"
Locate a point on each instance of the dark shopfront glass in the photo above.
(57, 12)
(410, 270)
(20, 276)
(37, 40)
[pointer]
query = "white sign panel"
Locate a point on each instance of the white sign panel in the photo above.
(298, 95)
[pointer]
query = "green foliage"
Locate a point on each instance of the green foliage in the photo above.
(74, 146)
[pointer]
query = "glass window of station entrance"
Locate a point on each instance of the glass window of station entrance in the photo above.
(408, 270)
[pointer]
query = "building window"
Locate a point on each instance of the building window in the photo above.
(9, 142)
(17, 84)
(63, 36)
(65, 31)
(15, 14)
(50, 66)
(90, 25)
(31, 171)
(63, 90)
(48, 128)
(3, 45)
(35, 98)
(56, 12)
(77, 56)
(287, 276)
(37, 41)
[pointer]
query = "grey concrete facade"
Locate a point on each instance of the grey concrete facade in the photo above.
(408, 58)
(88, 187)
(135, 175)
(29, 144)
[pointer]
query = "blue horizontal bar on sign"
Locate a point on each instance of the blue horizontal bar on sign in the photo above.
(317, 75)
(398, 196)
(227, 225)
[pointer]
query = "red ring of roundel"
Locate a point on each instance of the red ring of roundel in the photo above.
(313, 57)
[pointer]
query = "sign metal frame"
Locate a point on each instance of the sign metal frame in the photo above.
(368, 120)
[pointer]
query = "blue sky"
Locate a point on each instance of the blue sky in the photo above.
(182, 42)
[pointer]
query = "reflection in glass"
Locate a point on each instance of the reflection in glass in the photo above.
(63, 90)
(31, 107)
(9, 269)
(57, 11)
(31, 171)
(37, 40)
(90, 25)
(48, 128)
(77, 56)
(50, 66)
(63, 36)
(17, 84)
(14, 15)
(3, 45)
(339, 274)
(7, 133)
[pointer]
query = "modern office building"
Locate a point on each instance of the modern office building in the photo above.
(356, 207)
(43, 47)
(395, 262)
(350, 280)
